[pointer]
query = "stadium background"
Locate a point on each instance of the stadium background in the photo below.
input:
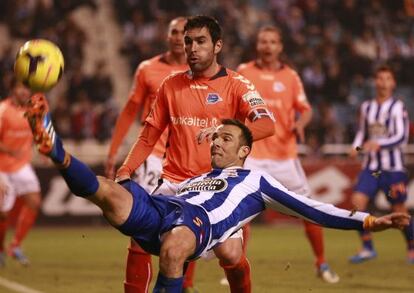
(334, 45)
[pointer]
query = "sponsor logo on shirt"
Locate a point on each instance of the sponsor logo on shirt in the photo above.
(198, 87)
(278, 87)
(253, 98)
(213, 98)
(195, 121)
(208, 184)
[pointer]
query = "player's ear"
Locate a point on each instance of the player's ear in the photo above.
(217, 46)
(244, 151)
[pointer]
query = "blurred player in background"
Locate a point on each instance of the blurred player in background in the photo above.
(17, 175)
(383, 131)
(148, 77)
(281, 88)
(191, 105)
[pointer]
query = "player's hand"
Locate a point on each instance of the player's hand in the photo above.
(393, 220)
(371, 146)
(299, 129)
(122, 174)
(3, 191)
(110, 167)
(206, 134)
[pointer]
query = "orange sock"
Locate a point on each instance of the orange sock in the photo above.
(25, 221)
(246, 236)
(189, 275)
(315, 236)
(138, 270)
(238, 276)
(3, 230)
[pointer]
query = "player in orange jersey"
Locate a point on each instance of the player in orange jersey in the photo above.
(148, 77)
(16, 174)
(283, 92)
(190, 102)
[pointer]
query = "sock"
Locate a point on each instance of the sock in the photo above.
(138, 270)
(366, 239)
(238, 276)
(246, 236)
(3, 230)
(315, 237)
(409, 235)
(25, 221)
(189, 275)
(79, 177)
(168, 285)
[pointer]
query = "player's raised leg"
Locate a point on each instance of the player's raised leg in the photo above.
(114, 200)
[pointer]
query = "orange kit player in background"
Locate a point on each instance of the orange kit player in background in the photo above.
(148, 77)
(191, 105)
(16, 173)
(282, 90)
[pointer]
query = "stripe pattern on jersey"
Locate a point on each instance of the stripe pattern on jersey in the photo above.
(247, 193)
(388, 125)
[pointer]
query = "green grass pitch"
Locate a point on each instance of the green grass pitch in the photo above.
(92, 260)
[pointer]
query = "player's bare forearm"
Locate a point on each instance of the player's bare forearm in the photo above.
(261, 128)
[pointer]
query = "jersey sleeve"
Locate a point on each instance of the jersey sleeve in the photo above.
(278, 198)
(159, 115)
(362, 128)
(139, 90)
(250, 103)
(301, 103)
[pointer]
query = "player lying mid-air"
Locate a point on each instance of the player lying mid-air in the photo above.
(208, 209)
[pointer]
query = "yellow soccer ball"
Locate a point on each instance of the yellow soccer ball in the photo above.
(39, 65)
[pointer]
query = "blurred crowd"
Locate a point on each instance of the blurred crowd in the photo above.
(333, 44)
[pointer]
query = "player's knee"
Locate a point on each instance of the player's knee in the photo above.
(173, 254)
(229, 254)
(33, 200)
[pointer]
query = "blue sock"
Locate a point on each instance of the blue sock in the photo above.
(168, 285)
(366, 240)
(409, 235)
(80, 178)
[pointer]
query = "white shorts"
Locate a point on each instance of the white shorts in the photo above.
(18, 183)
(288, 172)
(148, 173)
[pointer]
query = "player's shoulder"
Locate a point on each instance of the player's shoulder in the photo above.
(245, 66)
(177, 78)
(150, 63)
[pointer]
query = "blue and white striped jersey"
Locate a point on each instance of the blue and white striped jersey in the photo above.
(386, 124)
(232, 197)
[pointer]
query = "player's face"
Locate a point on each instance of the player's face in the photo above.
(225, 147)
(175, 36)
(384, 83)
(268, 46)
(21, 93)
(200, 50)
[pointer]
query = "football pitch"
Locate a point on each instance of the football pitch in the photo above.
(67, 260)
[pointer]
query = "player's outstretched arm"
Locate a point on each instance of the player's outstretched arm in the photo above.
(393, 220)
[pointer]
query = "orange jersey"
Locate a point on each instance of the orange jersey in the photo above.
(148, 78)
(186, 105)
(283, 93)
(15, 135)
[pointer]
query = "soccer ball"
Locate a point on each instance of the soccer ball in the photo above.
(39, 65)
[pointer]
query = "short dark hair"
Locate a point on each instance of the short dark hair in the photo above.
(247, 137)
(210, 23)
(384, 68)
(270, 28)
